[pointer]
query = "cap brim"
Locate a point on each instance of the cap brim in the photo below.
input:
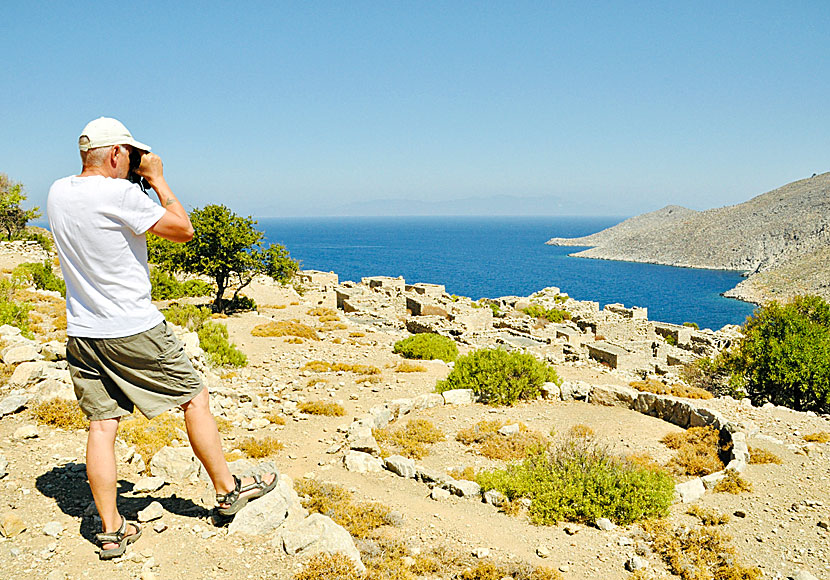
(139, 145)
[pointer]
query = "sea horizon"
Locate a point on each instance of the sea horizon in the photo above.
(494, 256)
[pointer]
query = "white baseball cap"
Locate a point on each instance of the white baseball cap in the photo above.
(105, 131)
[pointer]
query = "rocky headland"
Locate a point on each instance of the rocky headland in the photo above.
(778, 239)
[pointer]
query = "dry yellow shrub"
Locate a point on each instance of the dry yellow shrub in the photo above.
(676, 390)
(285, 328)
(820, 437)
(411, 440)
(259, 448)
(328, 409)
(60, 413)
(696, 451)
(150, 436)
(408, 367)
(758, 455)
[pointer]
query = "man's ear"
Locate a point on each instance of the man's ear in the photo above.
(115, 151)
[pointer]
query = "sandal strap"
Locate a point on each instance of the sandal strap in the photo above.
(257, 484)
(233, 494)
(113, 537)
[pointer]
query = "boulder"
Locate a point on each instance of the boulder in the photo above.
(428, 401)
(689, 491)
(613, 396)
(175, 464)
(318, 533)
(21, 353)
(54, 389)
(458, 397)
(264, 515)
(400, 465)
(360, 462)
(13, 403)
(463, 488)
(28, 373)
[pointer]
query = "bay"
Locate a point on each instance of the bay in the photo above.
(501, 256)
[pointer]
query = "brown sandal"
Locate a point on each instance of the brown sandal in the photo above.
(120, 537)
(235, 498)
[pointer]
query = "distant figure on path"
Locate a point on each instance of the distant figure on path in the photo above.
(120, 351)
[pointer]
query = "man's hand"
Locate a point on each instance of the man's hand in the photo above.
(151, 169)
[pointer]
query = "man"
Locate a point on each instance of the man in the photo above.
(121, 354)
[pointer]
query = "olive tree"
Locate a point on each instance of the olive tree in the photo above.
(13, 218)
(228, 249)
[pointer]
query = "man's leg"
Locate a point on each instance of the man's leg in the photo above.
(101, 473)
(207, 444)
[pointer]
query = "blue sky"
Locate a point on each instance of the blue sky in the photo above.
(312, 108)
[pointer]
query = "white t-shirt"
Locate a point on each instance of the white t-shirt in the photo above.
(99, 225)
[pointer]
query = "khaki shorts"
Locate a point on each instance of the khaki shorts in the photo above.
(148, 370)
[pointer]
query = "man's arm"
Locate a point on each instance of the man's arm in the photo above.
(175, 224)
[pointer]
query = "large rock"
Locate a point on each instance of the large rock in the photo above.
(360, 462)
(318, 533)
(463, 488)
(458, 397)
(21, 353)
(428, 401)
(401, 465)
(689, 491)
(28, 373)
(359, 438)
(54, 389)
(613, 396)
(268, 513)
(13, 403)
(175, 464)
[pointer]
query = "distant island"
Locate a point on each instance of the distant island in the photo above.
(780, 240)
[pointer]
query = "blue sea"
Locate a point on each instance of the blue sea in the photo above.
(500, 256)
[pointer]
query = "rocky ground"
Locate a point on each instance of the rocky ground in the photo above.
(49, 523)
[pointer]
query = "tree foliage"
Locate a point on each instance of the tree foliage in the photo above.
(227, 248)
(13, 218)
(784, 356)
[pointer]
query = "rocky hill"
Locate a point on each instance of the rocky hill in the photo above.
(782, 234)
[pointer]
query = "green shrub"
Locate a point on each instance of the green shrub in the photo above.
(499, 377)
(784, 355)
(549, 314)
(167, 287)
(692, 325)
(187, 315)
(213, 338)
(13, 312)
(41, 276)
(579, 481)
(427, 346)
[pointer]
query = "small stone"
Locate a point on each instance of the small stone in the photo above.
(26, 432)
(56, 575)
(804, 575)
(543, 552)
(4, 466)
(824, 524)
(439, 494)
(148, 484)
(159, 526)
(481, 552)
(571, 530)
(509, 429)
(605, 524)
(564, 568)
(636, 563)
(11, 525)
(53, 529)
(739, 514)
(152, 512)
